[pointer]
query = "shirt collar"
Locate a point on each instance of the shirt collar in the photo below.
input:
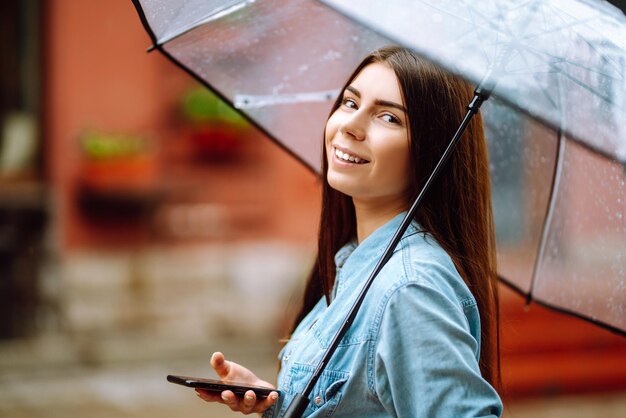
(374, 245)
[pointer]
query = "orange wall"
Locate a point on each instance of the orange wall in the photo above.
(98, 75)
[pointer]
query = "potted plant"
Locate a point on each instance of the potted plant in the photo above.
(216, 129)
(118, 176)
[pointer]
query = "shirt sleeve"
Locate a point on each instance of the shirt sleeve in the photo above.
(423, 358)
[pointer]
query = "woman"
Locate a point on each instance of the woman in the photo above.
(424, 343)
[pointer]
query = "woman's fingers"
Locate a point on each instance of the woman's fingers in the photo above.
(226, 397)
(220, 365)
(246, 404)
(267, 402)
(209, 396)
(249, 404)
(230, 399)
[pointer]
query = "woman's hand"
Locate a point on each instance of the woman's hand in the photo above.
(228, 370)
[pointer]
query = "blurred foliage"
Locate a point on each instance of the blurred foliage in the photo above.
(100, 145)
(200, 105)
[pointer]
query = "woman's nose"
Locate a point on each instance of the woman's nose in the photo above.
(354, 126)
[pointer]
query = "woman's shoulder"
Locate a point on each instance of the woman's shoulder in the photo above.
(424, 288)
(420, 262)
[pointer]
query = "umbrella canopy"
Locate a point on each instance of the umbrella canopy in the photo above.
(561, 61)
(556, 123)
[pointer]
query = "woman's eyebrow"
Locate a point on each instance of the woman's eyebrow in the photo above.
(354, 91)
(378, 102)
(387, 103)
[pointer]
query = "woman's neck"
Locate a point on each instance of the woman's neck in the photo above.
(372, 214)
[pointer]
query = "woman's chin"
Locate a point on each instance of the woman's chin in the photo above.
(343, 185)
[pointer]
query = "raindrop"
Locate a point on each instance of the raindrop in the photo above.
(331, 55)
(278, 88)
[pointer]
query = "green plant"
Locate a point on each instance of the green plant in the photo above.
(200, 105)
(99, 145)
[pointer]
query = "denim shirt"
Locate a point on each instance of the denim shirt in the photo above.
(413, 348)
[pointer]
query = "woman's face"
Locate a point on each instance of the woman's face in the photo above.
(367, 140)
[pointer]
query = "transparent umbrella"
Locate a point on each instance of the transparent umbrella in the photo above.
(556, 122)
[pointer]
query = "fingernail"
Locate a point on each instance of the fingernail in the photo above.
(249, 397)
(225, 398)
(274, 396)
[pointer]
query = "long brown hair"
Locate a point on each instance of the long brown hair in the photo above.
(456, 210)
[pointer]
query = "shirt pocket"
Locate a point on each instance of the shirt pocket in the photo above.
(326, 393)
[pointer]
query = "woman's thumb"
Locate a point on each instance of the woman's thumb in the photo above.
(220, 365)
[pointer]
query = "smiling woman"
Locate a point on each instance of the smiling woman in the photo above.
(423, 343)
(370, 125)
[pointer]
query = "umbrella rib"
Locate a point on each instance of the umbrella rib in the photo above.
(614, 65)
(475, 23)
(444, 11)
(217, 14)
(557, 70)
(534, 77)
(605, 325)
(590, 89)
(554, 29)
(245, 115)
(475, 26)
(547, 221)
(249, 101)
(617, 67)
(558, 60)
(592, 45)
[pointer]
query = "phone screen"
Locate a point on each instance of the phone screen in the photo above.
(214, 385)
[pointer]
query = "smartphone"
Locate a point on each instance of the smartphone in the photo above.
(214, 385)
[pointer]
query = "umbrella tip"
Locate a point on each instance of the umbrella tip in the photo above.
(529, 299)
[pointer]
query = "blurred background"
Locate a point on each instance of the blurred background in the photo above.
(144, 225)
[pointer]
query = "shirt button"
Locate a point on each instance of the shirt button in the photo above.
(286, 357)
(318, 400)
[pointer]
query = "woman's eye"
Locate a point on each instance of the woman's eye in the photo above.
(347, 102)
(389, 118)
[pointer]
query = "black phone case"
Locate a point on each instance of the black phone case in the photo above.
(218, 386)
